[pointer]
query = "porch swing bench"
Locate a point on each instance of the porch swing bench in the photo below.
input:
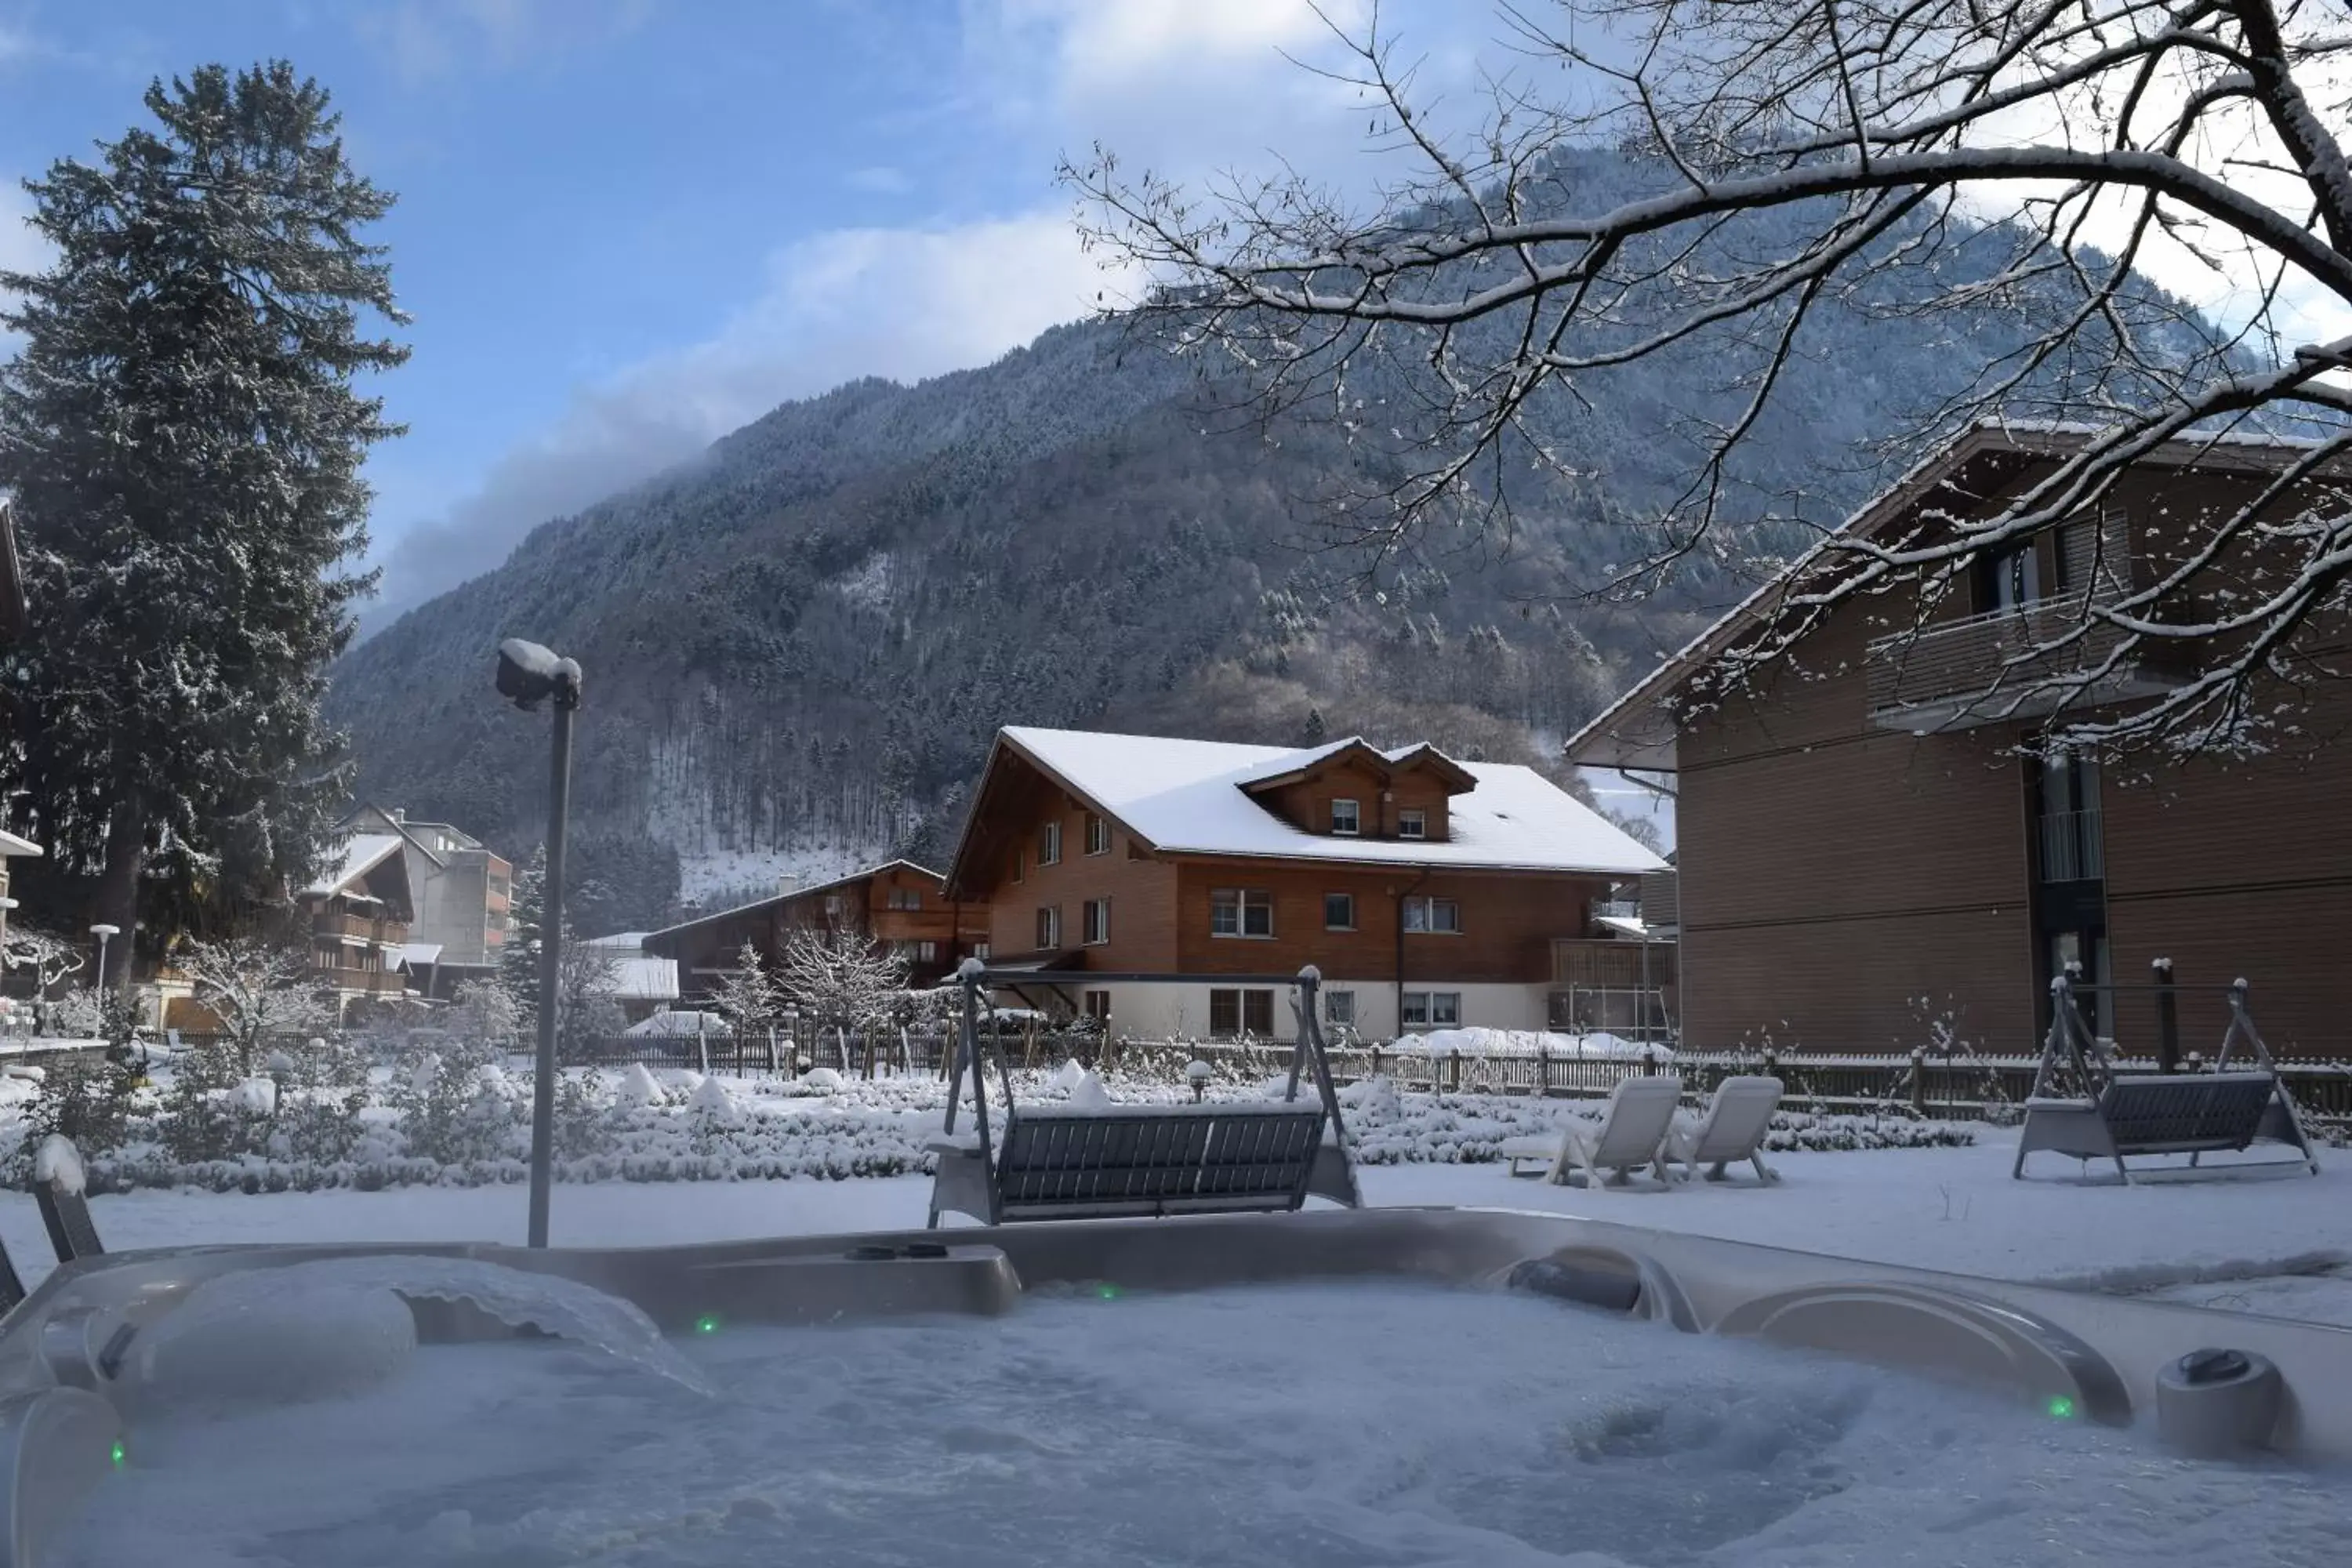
(1124, 1162)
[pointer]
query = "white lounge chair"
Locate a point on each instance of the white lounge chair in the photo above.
(1632, 1126)
(1732, 1128)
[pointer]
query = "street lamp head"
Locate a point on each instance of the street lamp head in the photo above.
(105, 930)
(530, 673)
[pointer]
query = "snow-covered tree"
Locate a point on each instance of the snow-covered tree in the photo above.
(747, 996)
(841, 976)
(183, 437)
(587, 997)
(1805, 159)
(482, 1010)
(43, 958)
(518, 956)
(256, 988)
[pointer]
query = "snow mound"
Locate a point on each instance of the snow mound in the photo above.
(1088, 1093)
(711, 1100)
(257, 1097)
(824, 1079)
(1065, 1078)
(58, 1164)
(639, 1088)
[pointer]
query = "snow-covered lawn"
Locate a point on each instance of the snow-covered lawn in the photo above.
(2247, 1243)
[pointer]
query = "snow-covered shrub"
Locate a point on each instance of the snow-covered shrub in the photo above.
(203, 1117)
(584, 1125)
(86, 1096)
(452, 1111)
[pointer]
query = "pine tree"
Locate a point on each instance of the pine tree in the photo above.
(519, 955)
(184, 442)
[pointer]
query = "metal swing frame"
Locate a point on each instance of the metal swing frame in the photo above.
(2080, 1106)
(1135, 1161)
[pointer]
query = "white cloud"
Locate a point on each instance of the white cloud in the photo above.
(424, 39)
(903, 303)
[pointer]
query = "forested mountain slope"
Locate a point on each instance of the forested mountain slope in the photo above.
(797, 648)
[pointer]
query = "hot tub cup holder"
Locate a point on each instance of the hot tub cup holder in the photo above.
(2219, 1404)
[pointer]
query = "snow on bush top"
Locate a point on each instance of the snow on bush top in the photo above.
(825, 1079)
(712, 1099)
(638, 1088)
(1065, 1078)
(59, 1162)
(1088, 1092)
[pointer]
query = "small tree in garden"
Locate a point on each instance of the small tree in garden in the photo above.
(747, 996)
(587, 999)
(256, 988)
(485, 1010)
(86, 1096)
(841, 977)
(519, 958)
(45, 958)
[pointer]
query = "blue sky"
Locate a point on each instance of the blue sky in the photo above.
(626, 226)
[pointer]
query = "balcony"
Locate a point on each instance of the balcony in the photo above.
(358, 928)
(1603, 962)
(380, 980)
(1984, 669)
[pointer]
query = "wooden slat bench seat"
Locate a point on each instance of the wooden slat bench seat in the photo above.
(2169, 1113)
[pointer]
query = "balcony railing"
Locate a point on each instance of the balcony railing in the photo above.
(350, 979)
(1998, 666)
(2070, 848)
(1616, 908)
(359, 928)
(1601, 961)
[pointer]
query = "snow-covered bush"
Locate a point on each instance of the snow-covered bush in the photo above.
(203, 1117)
(452, 1109)
(86, 1096)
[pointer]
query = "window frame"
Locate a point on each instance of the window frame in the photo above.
(1088, 936)
(1412, 822)
(1098, 834)
(1340, 1008)
(1049, 928)
(1101, 1013)
(1049, 843)
(1425, 1002)
(1355, 818)
(1242, 902)
(1426, 905)
(1346, 898)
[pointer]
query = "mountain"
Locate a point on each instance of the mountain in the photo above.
(797, 646)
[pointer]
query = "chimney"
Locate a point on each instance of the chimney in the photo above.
(788, 883)
(399, 815)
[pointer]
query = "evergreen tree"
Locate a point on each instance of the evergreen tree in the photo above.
(184, 438)
(518, 956)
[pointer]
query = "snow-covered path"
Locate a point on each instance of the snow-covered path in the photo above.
(2250, 1243)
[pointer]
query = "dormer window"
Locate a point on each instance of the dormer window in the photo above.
(1346, 818)
(1412, 825)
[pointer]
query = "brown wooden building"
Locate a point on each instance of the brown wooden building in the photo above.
(899, 904)
(1429, 893)
(359, 913)
(1865, 844)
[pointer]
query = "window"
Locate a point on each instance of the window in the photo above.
(979, 950)
(1237, 1012)
(1098, 835)
(905, 899)
(1049, 844)
(1339, 912)
(1413, 823)
(2011, 580)
(926, 953)
(1049, 930)
(1340, 1008)
(1432, 1009)
(1345, 817)
(1020, 864)
(1434, 916)
(833, 903)
(1098, 1007)
(1241, 911)
(1094, 921)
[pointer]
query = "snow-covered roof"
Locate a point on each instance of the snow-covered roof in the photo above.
(414, 953)
(643, 980)
(1186, 798)
(12, 844)
(619, 942)
(360, 854)
(782, 897)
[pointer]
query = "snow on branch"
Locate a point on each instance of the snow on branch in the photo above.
(1708, 178)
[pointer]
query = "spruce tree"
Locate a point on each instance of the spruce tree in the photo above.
(519, 955)
(183, 437)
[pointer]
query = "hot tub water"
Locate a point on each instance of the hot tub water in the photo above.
(1317, 1424)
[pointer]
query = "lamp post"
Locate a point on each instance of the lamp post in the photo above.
(103, 931)
(530, 674)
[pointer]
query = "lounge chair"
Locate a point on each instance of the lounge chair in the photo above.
(1633, 1125)
(1731, 1129)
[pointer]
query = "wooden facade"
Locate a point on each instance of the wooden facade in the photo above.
(899, 904)
(1848, 885)
(1070, 888)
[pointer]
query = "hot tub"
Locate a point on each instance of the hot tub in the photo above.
(1388, 1387)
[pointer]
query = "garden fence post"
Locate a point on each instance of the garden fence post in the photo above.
(2167, 1019)
(1919, 1080)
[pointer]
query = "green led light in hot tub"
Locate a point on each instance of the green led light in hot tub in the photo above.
(707, 1325)
(2062, 1407)
(1108, 1291)
(117, 1454)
